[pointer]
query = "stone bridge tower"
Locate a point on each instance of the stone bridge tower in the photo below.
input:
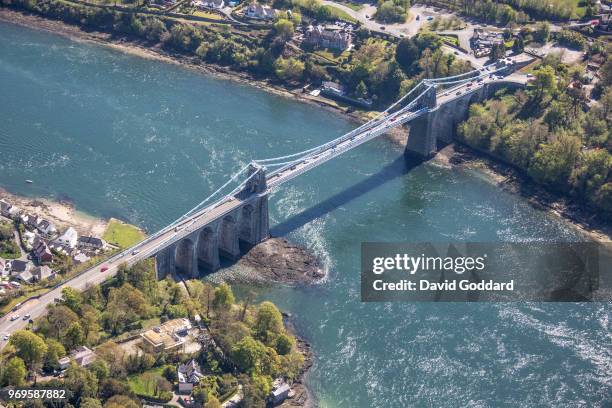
(221, 238)
(440, 123)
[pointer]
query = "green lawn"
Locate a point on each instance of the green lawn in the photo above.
(205, 14)
(141, 384)
(122, 234)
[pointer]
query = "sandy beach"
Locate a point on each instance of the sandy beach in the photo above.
(62, 214)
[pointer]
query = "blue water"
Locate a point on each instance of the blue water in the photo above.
(144, 141)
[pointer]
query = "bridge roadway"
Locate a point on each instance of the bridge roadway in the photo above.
(35, 308)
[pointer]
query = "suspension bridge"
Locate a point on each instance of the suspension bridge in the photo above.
(238, 210)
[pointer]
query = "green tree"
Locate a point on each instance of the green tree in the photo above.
(121, 401)
(224, 297)
(74, 336)
(212, 402)
(283, 29)
(81, 382)
(498, 51)
(247, 354)
(90, 403)
(554, 162)
(55, 351)
(30, 347)
(284, 344)
(289, 69)
(268, 322)
(519, 45)
(15, 372)
(545, 82)
(72, 299)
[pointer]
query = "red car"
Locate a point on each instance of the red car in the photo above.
(104, 268)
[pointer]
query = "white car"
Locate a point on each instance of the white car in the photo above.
(6, 337)
(136, 251)
(14, 317)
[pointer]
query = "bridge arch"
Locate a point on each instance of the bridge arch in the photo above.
(184, 258)
(208, 248)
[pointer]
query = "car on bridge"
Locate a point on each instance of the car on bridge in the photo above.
(14, 317)
(104, 268)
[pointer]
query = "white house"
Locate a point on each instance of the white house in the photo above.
(188, 375)
(210, 4)
(68, 238)
(261, 12)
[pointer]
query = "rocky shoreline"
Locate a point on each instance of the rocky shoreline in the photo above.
(595, 227)
(140, 48)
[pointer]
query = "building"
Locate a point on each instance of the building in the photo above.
(91, 243)
(210, 4)
(322, 37)
(167, 336)
(68, 239)
(482, 41)
(8, 210)
(83, 356)
(63, 362)
(17, 266)
(188, 375)
(41, 252)
(41, 273)
(260, 12)
(336, 91)
(280, 392)
(46, 228)
(26, 276)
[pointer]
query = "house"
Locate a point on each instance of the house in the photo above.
(47, 228)
(5, 207)
(41, 252)
(68, 239)
(8, 210)
(322, 37)
(92, 243)
(188, 375)
(280, 392)
(17, 266)
(167, 336)
(2, 266)
(30, 221)
(210, 4)
(29, 237)
(41, 273)
(83, 356)
(63, 362)
(261, 12)
(26, 276)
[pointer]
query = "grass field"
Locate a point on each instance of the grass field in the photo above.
(140, 384)
(121, 234)
(206, 14)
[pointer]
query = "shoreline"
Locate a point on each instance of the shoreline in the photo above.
(63, 214)
(592, 227)
(140, 49)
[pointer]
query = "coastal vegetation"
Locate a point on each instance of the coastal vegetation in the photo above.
(551, 132)
(378, 69)
(9, 249)
(251, 345)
